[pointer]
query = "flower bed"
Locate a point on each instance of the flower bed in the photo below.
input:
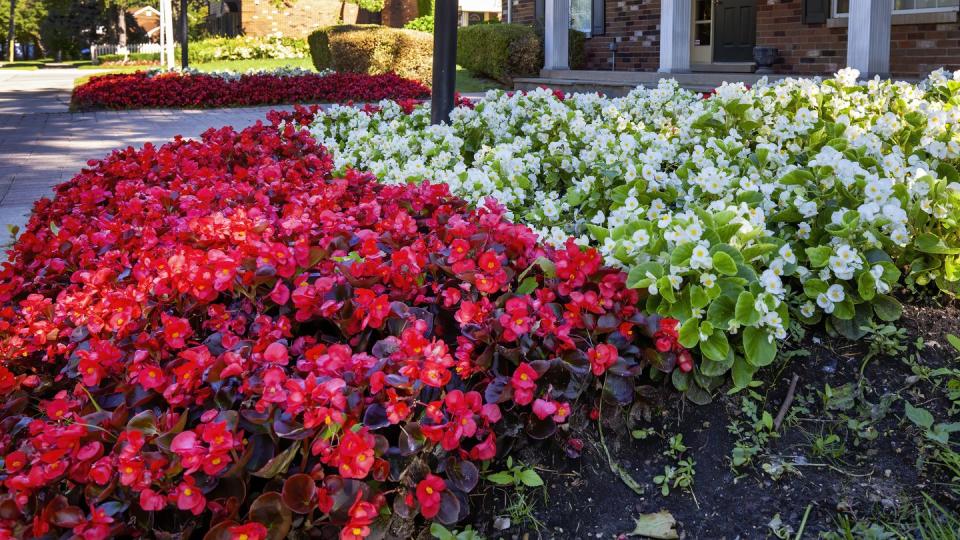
(145, 89)
(219, 334)
(800, 200)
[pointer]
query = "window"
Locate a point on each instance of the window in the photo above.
(841, 8)
(581, 15)
(585, 15)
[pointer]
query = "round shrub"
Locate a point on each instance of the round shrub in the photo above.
(373, 49)
(219, 335)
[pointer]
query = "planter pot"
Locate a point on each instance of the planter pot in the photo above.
(765, 58)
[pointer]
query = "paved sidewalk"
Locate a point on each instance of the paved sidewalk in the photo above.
(43, 144)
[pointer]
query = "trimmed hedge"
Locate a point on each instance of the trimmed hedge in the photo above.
(499, 51)
(506, 51)
(373, 49)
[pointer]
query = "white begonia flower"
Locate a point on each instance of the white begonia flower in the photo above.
(708, 280)
(835, 293)
(786, 252)
(641, 238)
(700, 258)
(807, 309)
(824, 302)
(771, 282)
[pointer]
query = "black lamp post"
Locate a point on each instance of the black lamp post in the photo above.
(184, 37)
(444, 59)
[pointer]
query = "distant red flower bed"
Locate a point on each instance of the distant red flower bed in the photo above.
(176, 90)
(220, 335)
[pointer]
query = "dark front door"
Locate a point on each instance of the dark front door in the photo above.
(735, 30)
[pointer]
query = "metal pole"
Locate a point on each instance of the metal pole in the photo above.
(163, 35)
(184, 35)
(444, 60)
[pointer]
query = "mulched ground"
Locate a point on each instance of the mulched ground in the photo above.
(872, 480)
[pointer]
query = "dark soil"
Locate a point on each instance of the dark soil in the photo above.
(874, 480)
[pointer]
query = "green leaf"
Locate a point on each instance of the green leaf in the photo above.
(689, 333)
(742, 372)
(814, 287)
(527, 286)
(698, 297)
(721, 312)
(502, 478)
(759, 348)
(440, 532)
(887, 307)
(530, 478)
(931, 243)
(681, 255)
(280, 463)
(716, 347)
(639, 273)
(866, 285)
(746, 312)
(796, 177)
(666, 289)
(955, 341)
(598, 233)
(724, 264)
(819, 256)
(919, 416)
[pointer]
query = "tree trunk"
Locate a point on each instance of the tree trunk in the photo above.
(11, 32)
(121, 26)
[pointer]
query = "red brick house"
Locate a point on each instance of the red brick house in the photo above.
(903, 38)
(297, 19)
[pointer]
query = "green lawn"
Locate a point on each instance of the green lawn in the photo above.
(25, 65)
(466, 81)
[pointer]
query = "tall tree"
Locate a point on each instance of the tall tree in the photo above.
(24, 25)
(12, 31)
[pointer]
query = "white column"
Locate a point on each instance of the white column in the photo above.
(675, 25)
(167, 5)
(868, 37)
(556, 25)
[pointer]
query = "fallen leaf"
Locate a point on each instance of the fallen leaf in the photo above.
(660, 525)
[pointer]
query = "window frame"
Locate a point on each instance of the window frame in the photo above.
(837, 15)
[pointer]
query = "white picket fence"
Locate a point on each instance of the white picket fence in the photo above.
(99, 50)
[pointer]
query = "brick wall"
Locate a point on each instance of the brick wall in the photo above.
(635, 25)
(397, 13)
(807, 49)
(917, 49)
(263, 18)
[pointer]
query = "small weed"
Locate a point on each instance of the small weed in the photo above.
(678, 476)
(521, 506)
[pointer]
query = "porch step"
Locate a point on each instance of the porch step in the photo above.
(619, 83)
(724, 67)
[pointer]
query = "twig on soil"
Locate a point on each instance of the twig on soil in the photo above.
(786, 402)
(803, 524)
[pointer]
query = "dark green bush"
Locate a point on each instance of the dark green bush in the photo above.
(499, 51)
(578, 53)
